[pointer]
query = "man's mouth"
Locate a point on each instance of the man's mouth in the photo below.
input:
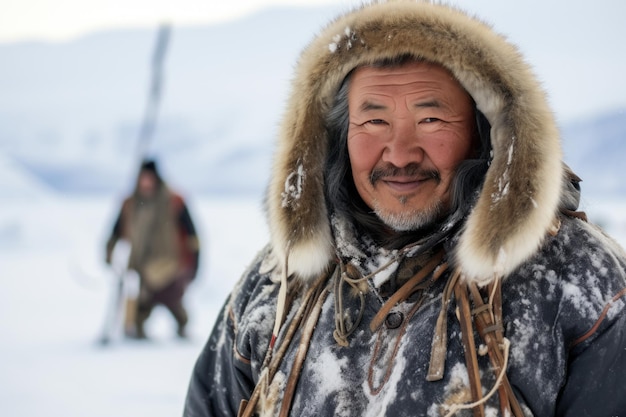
(404, 184)
(406, 178)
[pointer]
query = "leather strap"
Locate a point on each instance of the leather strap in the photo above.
(467, 332)
(489, 325)
(276, 353)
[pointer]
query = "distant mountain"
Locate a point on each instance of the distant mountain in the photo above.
(596, 150)
(70, 112)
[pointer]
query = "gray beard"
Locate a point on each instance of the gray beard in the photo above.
(409, 219)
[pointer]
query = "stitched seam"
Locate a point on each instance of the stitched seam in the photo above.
(238, 355)
(596, 325)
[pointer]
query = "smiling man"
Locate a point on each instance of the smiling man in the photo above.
(426, 257)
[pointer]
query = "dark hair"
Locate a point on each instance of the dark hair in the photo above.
(149, 166)
(341, 195)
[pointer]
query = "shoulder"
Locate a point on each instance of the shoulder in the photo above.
(177, 199)
(252, 305)
(127, 203)
(252, 287)
(594, 283)
(581, 254)
(586, 257)
(577, 279)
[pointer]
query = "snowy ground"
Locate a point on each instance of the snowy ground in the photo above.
(54, 289)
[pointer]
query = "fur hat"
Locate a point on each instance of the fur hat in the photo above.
(522, 186)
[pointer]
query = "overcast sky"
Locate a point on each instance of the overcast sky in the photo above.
(576, 46)
(64, 19)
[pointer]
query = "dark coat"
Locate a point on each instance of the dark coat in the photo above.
(564, 313)
(185, 244)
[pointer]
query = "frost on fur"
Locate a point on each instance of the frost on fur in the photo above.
(293, 187)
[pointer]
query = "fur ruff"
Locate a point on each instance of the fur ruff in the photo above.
(522, 188)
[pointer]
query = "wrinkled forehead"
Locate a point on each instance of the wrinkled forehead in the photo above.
(401, 75)
(417, 84)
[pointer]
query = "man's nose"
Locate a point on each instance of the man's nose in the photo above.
(403, 146)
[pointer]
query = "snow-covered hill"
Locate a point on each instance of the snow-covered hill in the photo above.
(596, 149)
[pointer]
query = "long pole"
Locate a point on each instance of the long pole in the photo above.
(154, 95)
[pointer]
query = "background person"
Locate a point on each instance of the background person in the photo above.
(164, 249)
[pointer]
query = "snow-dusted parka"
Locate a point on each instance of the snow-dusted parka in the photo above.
(512, 305)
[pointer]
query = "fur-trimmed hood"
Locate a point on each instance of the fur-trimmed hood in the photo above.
(522, 188)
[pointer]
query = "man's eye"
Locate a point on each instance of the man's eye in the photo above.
(430, 120)
(376, 121)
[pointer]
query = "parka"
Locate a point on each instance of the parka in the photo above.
(518, 309)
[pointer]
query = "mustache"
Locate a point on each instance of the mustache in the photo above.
(411, 170)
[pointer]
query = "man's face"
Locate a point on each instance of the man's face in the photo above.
(410, 128)
(147, 184)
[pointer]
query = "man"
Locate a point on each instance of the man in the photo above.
(426, 255)
(164, 249)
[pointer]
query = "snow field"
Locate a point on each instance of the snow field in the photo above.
(55, 288)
